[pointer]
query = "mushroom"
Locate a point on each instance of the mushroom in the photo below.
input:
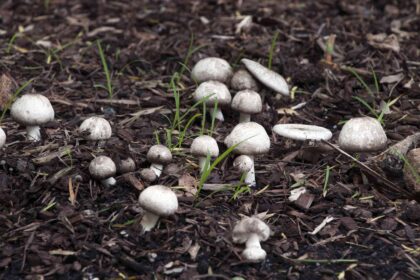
(126, 165)
(2, 138)
(158, 155)
(97, 127)
(32, 110)
(148, 175)
(103, 168)
(251, 231)
(157, 201)
(364, 134)
(242, 80)
(267, 77)
(211, 68)
(202, 147)
(214, 91)
(247, 102)
(252, 139)
(245, 164)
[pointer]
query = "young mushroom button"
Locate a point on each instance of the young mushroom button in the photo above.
(32, 110)
(247, 102)
(103, 168)
(97, 128)
(242, 80)
(158, 155)
(214, 91)
(2, 138)
(211, 68)
(203, 146)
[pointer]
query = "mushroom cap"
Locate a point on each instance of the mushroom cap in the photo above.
(126, 165)
(363, 134)
(159, 200)
(102, 167)
(248, 226)
(212, 68)
(32, 109)
(254, 254)
(203, 145)
(159, 154)
(302, 132)
(148, 175)
(243, 163)
(99, 128)
(242, 80)
(216, 90)
(2, 137)
(252, 137)
(247, 101)
(267, 77)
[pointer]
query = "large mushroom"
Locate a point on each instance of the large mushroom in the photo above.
(32, 110)
(158, 155)
(246, 102)
(157, 201)
(251, 139)
(2, 138)
(202, 147)
(211, 69)
(97, 128)
(214, 91)
(103, 168)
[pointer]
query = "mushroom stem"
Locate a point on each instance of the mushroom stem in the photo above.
(218, 115)
(243, 117)
(253, 241)
(33, 133)
(157, 168)
(149, 221)
(250, 175)
(109, 182)
(202, 163)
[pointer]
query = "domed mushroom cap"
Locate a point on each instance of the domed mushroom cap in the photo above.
(203, 145)
(32, 109)
(159, 154)
(102, 167)
(2, 137)
(363, 134)
(148, 175)
(99, 128)
(216, 90)
(211, 68)
(302, 132)
(159, 200)
(247, 101)
(248, 226)
(243, 163)
(242, 80)
(253, 136)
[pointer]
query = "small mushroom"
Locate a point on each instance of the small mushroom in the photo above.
(32, 110)
(211, 69)
(245, 164)
(203, 146)
(126, 165)
(158, 155)
(363, 134)
(242, 80)
(2, 138)
(157, 201)
(103, 168)
(148, 175)
(267, 77)
(97, 127)
(215, 92)
(251, 231)
(252, 139)
(247, 102)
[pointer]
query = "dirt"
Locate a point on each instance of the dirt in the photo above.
(58, 223)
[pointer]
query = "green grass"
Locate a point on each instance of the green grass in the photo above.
(272, 48)
(240, 188)
(13, 98)
(326, 180)
(108, 87)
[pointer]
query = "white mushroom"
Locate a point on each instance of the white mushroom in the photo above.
(2, 138)
(242, 80)
(203, 146)
(363, 134)
(211, 69)
(157, 201)
(252, 139)
(32, 110)
(302, 132)
(247, 102)
(267, 77)
(214, 91)
(158, 155)
(97, 127)
(245, 165)
(251, 231)
(102, 168)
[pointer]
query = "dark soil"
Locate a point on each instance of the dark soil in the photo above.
(46, 234)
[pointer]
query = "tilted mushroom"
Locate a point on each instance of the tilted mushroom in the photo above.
(103, 168)
(242, 80)
(252, 139)
(157, 201)
(246, 102)
(211, 69)
(2, 138)
(97, 127)
(158, 155)
(251, 231)
(214, 91)
(202, 147)
(32, 110)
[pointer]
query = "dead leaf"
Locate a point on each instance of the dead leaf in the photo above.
(392, 78)
(189, 183)
(384, 42)
(6, 88)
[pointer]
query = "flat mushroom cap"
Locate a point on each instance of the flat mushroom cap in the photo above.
(243, 163)
(203, 145)
(32, 109)
(247, 101)
(99, 128)
(267, 77)
(102, 167)
(242, 79)
(211, 68)
(159, 154)
(216, 90)
(252, 137)
(363, 134)
(302, 132)
(159, 200)
(248, 226)
(2, 137)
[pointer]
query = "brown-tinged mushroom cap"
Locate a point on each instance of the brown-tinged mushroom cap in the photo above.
(102, 167)
(252, 137)
(247, 101)
(32, 109)
(159, 154)
(159, 200)
(242, 80)
(211, 68)
(248, 226)
(216, 90)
